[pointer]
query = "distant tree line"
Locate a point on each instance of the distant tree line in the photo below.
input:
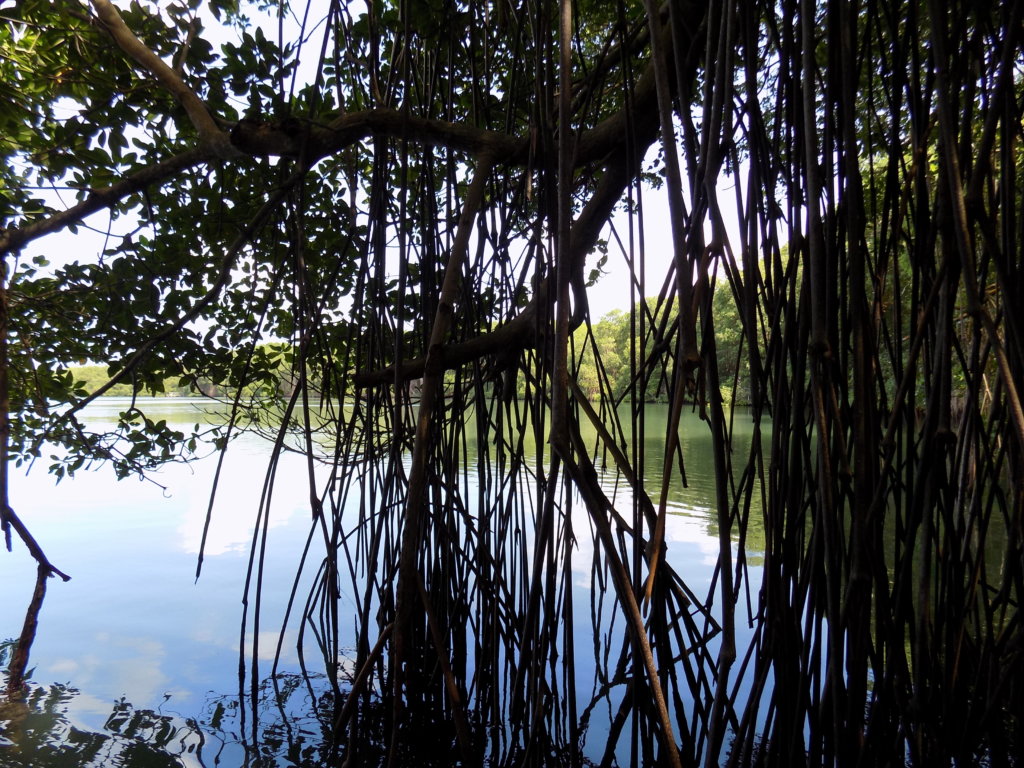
(277, 380)
(617, 338)
(612, 336)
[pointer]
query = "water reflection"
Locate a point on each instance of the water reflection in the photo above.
(144, 645)
(691, 501)
(241, 480)
(44, 729)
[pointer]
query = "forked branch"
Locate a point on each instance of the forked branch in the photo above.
(210, 134)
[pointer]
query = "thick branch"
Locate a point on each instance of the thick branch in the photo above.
(13, 239)
(210, 134)
(517, 334)
(313, 141)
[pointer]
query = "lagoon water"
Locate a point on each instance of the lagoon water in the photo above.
(136, 664)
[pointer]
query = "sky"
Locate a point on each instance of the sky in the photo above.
(612, 290)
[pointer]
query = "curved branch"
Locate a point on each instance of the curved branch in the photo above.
(521, 332)
(32, 545)
(314, 141)
(293, 137)
(210, 134)
(13, 239)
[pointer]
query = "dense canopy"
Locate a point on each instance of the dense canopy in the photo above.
(397, 209)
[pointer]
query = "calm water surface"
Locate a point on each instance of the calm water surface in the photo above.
(135, 663)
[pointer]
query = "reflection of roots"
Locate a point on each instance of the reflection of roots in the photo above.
(16, 687)
(493, 655)
(13, 712)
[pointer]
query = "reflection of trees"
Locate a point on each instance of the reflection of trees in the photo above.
(38, 732)
(41, 730)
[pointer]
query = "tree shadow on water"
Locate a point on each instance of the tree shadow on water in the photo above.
(57, 726)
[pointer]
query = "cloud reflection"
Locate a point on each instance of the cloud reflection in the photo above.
(237, 501)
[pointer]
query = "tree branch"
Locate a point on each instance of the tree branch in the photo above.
(313, 141)
(625, 150)
(210, 134)
(32, 545)
(223, 276)
(13, 239)
(513, 336)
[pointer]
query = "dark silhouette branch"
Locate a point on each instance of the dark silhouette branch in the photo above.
(32, 545)
(624, 147)
(97, 200)
(211, 136)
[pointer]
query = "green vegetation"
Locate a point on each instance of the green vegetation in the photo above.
(615, 339)
(92, 377)
(277, 381)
